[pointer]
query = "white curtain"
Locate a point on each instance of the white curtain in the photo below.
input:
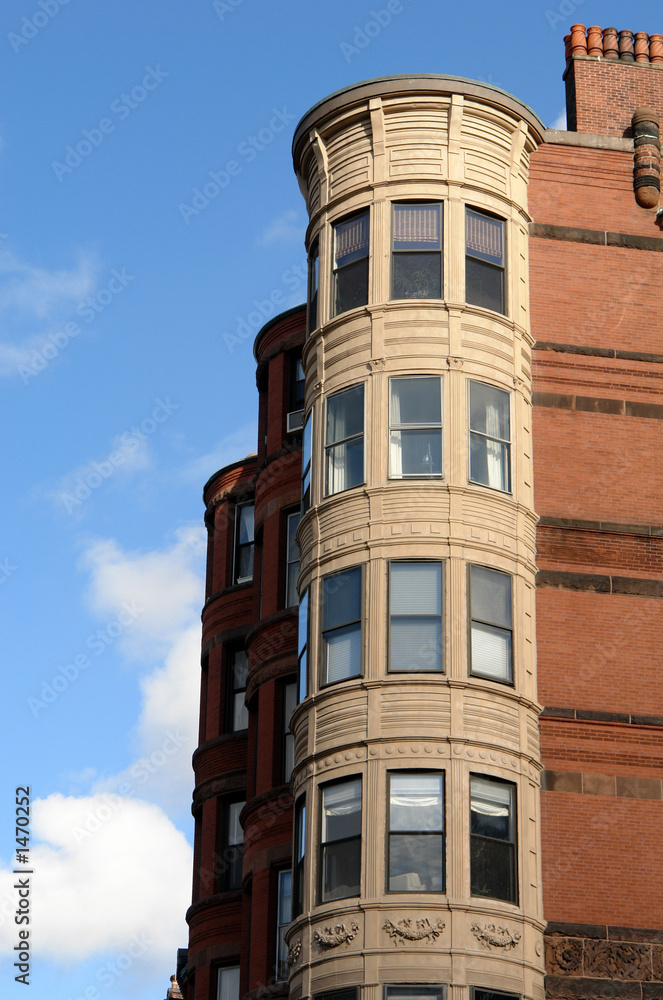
(494, 462)
(395, 441)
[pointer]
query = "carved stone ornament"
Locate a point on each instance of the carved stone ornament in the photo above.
(617, 960)
(377, 364)
(491, 936)
(563, 956)
(294, 953)
(404, 930)
(455, 362)
(332, 937)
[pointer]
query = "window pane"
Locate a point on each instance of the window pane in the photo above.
(302, 624)
(245, 563)
(492, 866)
(351, 287)
(345, 466)
(293, 548)
(416, 802)
(491, 651)
(342, 653)
(246, 524)
(491, 595)
(341, 866)
(414, 993)
(285, 897)
(489, 463)
(416, 588)
(341, 810)
(416, 453)
(351, 239)
(416, 863)
(415, 644)
(484, 237)
(288, 756)
(491, 808)
(228, 984)
(341, 601)
(240, 713)
(235, 833)
(417, 276)
(240, 668)
(416, 227)
(345, 414)
(306, 443)
(415, 401)
(489, 410)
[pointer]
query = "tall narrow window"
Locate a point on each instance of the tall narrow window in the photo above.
(415, 616)
(238, 668)
(313, 282)
(491, 617)
(292, 559)
(415, 427)
(416, 832)
(484, 261)
(283, 911)
(298, 857)
(297, 385)
(416, 267)
(493, 838)
(289, 704)
(302, 645)
(341, 625)
(244, 543)
(231, 847)
(344, 440)
(340, 840)
(306, 463)
(227, 984)
(490, 436)
(351, 263)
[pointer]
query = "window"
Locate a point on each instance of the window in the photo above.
(340, 840)
(297, 384)
(302, 644)
(292, 559)
(313, 284)
(350, 278)
(238, 668)
(415, 427)
(492, 838)
(478, 994)
(283, 909)
(232, 846)
(490, 436)
(306, 463)
(298, 857)
(484, 261)
(341, 625)
(244, 539)
(491, 624)
(416, 268)
(289, 703)
(415, 616)
(349, 993)
(416, 832)
(228, 983)
(415, 992)
(344, 443)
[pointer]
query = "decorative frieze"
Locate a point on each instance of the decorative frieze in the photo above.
(404, 930)
(637, 960)
(492, 936)
(332, 937)
(294, 953)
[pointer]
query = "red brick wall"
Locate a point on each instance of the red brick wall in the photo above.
(607, 92)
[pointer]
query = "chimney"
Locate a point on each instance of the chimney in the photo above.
(609, 75)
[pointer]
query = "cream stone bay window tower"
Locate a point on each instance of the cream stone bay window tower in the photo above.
(416, 858)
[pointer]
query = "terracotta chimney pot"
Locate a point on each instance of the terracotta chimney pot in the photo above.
(594, 41)
(610, 44)
(656, 49)
(578, 40)
(641, 46)
(626, 45)
(567, 47)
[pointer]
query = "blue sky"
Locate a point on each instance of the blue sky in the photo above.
(127, 379)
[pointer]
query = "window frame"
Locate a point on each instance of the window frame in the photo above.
(331, 447)
(280, 964)
(339, 272)
(505, 443)
(472, 672)
(298, 856)
(313, 287)
(307, 454)
(288, 735)
(406, 991)
(220, 969)
(412, 562)
(323, 844)
(297, 386)
(411, 251)
(239, 546)
(228, 875)
(303, 643)
(232, 690)
(414, 833)
(501, 268)
(511, 849)
(290, 563)
(350, 623)
(401, 427)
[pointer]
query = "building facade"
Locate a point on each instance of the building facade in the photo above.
(395, 793)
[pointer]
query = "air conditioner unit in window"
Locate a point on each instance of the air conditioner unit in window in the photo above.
(294, 421)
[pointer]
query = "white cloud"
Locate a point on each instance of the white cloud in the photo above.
(110, 870)
(231, 448)
(128, 454)
(40, 292)
(560, 120)
(284, 228)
